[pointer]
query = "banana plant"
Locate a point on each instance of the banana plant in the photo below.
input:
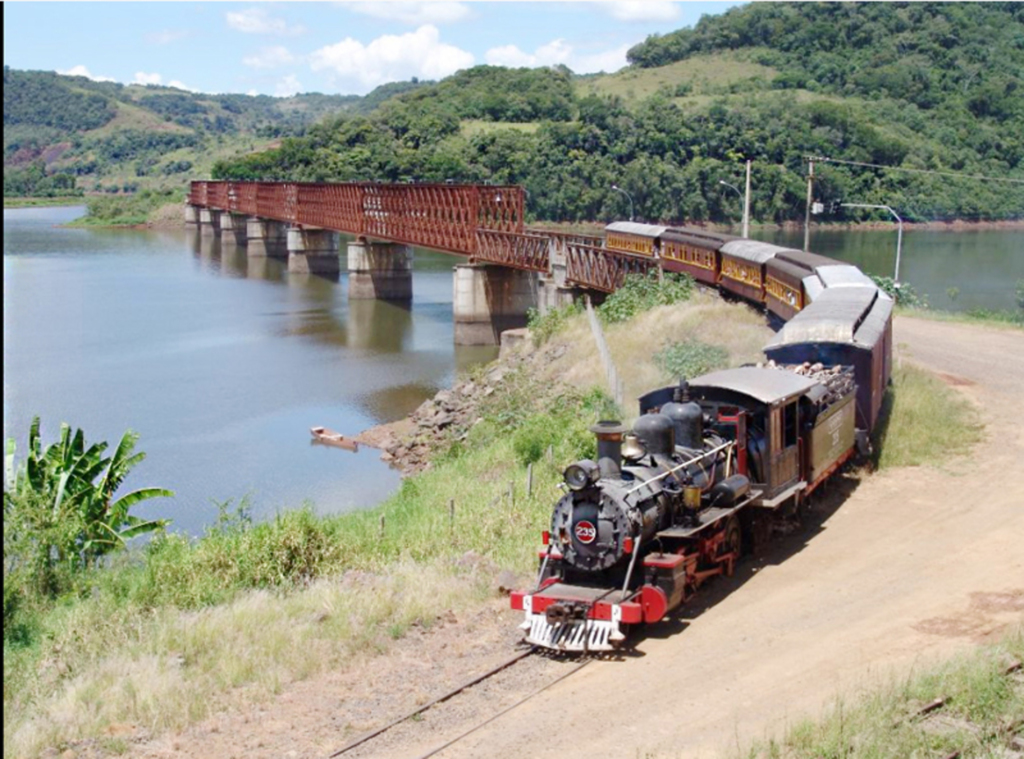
(61, 498)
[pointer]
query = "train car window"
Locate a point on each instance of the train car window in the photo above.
(789, 417)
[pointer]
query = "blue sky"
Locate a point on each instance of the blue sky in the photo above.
(279, 48)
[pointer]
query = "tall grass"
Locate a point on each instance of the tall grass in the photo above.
(162, 637)
(984, 707)
(924, 421)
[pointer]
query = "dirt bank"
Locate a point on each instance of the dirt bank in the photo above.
(890, 572)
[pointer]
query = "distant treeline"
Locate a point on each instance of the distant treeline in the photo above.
(114, 133)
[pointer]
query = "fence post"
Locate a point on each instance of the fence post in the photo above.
(382, 527)
(529, 479)
(451, 516)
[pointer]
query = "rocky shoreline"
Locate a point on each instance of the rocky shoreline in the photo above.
(408, 444)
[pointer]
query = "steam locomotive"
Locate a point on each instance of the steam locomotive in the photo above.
(674, 501)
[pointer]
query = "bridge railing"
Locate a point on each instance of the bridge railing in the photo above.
(519, 251)
(600, 268)
(442, 217)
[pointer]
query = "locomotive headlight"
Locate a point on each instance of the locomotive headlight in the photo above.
(582, 474)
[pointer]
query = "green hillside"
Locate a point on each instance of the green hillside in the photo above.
(63, 133)
(934, 89)
(929, 87)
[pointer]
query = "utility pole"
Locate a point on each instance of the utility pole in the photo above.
(807, 214)
(746, 205)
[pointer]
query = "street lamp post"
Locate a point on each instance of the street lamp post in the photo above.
(899, 232)
(628, 197)
(740, 195)
(745, 197)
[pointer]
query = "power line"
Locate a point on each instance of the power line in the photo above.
(823, 159)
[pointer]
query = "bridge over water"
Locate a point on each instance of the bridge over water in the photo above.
(509, 269)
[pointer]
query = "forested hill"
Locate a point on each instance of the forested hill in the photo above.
(62, 131)
(933, 87)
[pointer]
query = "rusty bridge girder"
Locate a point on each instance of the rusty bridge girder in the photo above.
(483, 222)
(602, 269)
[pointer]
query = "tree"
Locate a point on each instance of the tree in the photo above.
(60, 511)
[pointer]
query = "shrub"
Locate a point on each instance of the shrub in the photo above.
(902, 293)
(643, 292)
(544, 326)
(691, 358)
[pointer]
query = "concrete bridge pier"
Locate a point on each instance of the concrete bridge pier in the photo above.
(379, 270)
(312, 251)
(265, 237)
(490, 299)
(552, 290)
(209, 222)
(191, 215)
(233, 228)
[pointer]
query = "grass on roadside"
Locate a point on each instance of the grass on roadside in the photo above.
(924, 421)
(983, 709)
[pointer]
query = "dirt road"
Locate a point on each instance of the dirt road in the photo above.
(909, 566)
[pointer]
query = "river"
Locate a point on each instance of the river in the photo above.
(222, 364)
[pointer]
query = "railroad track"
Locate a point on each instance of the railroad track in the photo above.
(504, 665)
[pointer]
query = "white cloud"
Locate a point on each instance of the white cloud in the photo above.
(258, 21)
(641, 10)
(181, 86)
(559, 52)
(288, 86)
(391, 58)
(412, 13)
(252, 93)
(166, 36)
(141, 77)
(608, 61)
(555, 52)
(83, 71)
(269, 58)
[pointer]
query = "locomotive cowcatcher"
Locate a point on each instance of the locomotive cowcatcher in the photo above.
(673, 502)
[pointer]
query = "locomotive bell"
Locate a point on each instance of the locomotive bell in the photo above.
(632, 448)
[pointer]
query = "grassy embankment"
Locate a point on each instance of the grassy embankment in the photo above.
(982, 711)
(170, 633)
(68, 200)
(135, 209)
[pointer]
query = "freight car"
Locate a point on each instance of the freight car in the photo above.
(671, 504)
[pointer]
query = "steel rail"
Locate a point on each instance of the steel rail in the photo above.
(506, 710)
(440, 699)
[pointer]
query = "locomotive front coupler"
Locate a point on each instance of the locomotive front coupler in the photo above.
(564, 612)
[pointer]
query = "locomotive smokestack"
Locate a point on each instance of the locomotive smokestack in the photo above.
(609, 447)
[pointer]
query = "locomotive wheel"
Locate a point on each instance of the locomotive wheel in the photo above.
(733, 542)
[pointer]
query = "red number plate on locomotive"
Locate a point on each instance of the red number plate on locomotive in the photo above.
(585, 531)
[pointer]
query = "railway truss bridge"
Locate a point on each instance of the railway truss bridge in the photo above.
(510, 268)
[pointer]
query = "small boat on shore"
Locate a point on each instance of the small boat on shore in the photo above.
(327, 436)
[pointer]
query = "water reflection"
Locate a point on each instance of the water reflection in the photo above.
(957, 270)
(160, 333)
